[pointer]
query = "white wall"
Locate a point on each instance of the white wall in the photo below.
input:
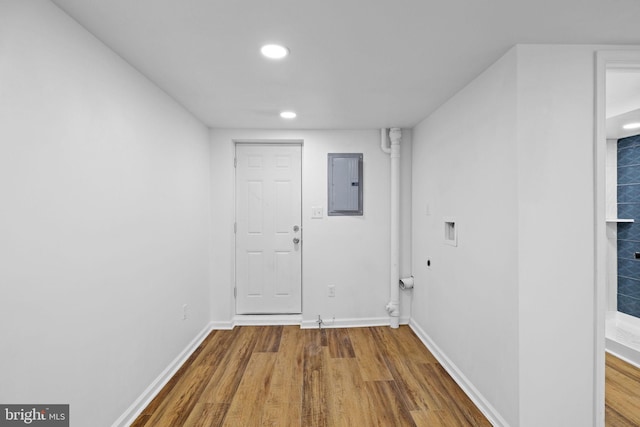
(556, 234)
(511, 157)
(103, 220)
(464, 166)
(349, 252)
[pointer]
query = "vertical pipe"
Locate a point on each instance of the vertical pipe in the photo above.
(395, 134)
(383, 141)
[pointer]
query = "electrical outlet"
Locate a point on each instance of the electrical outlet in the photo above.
(185, 314)
(332, 291)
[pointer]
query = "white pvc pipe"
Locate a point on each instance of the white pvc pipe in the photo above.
(383, 141)
(393, 307)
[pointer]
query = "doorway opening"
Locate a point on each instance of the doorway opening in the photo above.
(614, 105)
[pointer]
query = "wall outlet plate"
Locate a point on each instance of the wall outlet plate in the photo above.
(332, 291)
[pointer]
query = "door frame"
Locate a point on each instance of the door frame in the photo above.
(264, 318)
(604, 59)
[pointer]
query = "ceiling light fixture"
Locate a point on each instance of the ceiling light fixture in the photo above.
(631, 126)
(288, 115)
(274, 51)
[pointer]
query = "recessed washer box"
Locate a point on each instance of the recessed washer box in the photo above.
(450, 232)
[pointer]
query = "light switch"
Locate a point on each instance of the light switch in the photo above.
(316, 212)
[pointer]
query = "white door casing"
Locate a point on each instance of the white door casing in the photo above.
(268, 224)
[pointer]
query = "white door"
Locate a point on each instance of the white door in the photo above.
(268, 233)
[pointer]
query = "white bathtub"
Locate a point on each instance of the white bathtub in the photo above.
(623, 337)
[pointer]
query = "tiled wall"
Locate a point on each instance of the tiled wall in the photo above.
(629, 233)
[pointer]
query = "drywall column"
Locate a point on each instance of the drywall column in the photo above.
(393, 307)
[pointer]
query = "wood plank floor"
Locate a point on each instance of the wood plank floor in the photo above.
(287, 376)
(622, 393)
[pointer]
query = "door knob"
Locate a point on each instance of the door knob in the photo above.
(296, 240)
(296, 228)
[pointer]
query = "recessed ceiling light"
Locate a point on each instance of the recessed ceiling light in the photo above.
(288, 115)
(274, 51)
(631, 126)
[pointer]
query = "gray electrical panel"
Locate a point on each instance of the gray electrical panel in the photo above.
(345, 184)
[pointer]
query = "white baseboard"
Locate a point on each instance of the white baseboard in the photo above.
(349, 323)
(136, 408)
(623, 357)
(469, 389)
(296, 319)
(266, 319)
(223, 326)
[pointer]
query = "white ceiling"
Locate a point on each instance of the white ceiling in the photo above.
(623, 101)
(615, 125)
(353, 63)
(623, 91)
